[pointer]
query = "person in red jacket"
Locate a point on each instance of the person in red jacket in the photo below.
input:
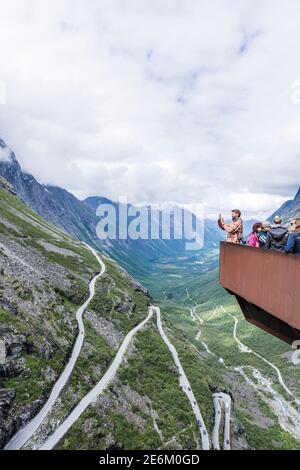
(235, 229)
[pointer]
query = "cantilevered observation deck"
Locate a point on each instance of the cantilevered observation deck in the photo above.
(266, 285)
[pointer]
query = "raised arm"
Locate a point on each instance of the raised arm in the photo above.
(221, 223)
(230, 228)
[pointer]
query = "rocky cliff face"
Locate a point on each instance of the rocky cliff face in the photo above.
(54, 204)
(289, 209)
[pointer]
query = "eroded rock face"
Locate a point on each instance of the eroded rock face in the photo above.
(46, 351)
(9, 306)
(11, 423)
(125, 307)
(49, 374)
(6, 398)
(12, 369)
(105, 329)
(135, 284)
(139, 287)
(28, 283)
(124, 401)
(12, 346)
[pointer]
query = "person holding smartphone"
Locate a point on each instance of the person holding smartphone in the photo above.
(235, 229)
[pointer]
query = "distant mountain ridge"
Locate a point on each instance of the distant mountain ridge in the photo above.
(55, 204)
(78, 218)
(289, 210)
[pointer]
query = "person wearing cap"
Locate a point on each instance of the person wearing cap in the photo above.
(235, 229)
(293, 243)
(277, 237)
(266, 227)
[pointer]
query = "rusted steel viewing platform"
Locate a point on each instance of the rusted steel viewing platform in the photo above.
(266, 285)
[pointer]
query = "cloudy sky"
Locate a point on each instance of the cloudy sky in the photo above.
(156, 100)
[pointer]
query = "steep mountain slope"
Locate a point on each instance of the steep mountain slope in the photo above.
(79, 219)
(44, 276)
(175, 245)
(147, 259)
(54, 204)
(289, 210)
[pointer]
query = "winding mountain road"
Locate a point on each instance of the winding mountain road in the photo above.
(60, 432)
(192, 310)
(22, 436)
(289, 414)
(185, 385)
(221, 401)
(246, 349)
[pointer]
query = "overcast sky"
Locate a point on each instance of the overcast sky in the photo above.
(157, 100)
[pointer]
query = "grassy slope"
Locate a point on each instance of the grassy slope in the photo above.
(149, 355)
(144, 369)
(27, 385)
(150, 372)
(30, 229)
(217, 333)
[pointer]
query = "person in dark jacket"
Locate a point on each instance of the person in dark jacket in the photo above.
(264, 233)
(293, 243)
(277, 236)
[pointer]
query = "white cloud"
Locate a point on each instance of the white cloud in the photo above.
(156, 100)
(4, 154)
